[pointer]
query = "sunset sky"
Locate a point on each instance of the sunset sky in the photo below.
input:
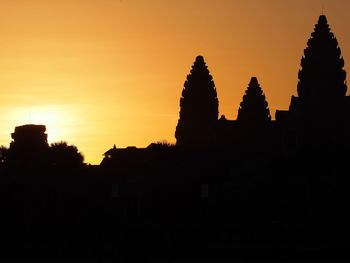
(104, 72)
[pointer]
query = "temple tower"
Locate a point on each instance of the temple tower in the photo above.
(198, 108)
(254, 109)
(318, 111)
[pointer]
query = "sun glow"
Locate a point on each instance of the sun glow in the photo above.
(53, 117)
(99, 73)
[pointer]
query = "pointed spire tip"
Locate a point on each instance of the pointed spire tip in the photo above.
(199, 58)
(254, 80)
(322, 19)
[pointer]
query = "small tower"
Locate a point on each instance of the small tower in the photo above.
(29, 137)
(29, 145)
(254, 109)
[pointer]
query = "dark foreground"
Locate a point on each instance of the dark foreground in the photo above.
(166, 205)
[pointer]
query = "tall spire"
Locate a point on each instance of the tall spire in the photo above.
(322, 77)
(254, 109)
(198, 107)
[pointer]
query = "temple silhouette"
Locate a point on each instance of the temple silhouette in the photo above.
(275, 187)
(317, 118)
(249, 189)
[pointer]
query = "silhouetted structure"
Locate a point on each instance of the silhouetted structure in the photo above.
(254, 110)
(29, 145)
(198, 108)
(111, 153)
(317, 119)
(253, 128)
(319, 116)
(29, 136)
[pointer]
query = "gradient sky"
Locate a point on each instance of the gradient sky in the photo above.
(104, 72)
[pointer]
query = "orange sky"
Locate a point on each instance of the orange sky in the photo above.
(104, 72)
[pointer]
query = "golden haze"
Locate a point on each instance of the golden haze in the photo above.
(106, 72)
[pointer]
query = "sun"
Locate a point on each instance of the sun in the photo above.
(53, 117)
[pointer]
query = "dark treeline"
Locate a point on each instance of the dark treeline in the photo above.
(245, 189)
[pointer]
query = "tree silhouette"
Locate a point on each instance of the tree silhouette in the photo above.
(198, 107)
(322, 77)
(161, 143)
(64, 155)
(254, 108)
